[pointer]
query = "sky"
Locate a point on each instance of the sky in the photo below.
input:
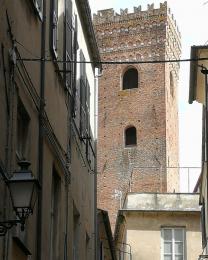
(192, 19)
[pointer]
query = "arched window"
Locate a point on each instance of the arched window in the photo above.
(130, 79)
(130, 136)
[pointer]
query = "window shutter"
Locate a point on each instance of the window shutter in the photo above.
(38, 5)
(82, 95)
(74, 85)
(87, 131)
(203, 227)
(54, 28)
(68, 35)
(83, 119)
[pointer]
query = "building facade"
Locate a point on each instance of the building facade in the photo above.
(105, 243)
(159, 226)
(198, 91)
(138, 117)
(47, 118)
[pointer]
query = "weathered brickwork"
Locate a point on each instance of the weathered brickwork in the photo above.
(151, 108)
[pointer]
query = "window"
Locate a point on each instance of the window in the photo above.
(38, 4)
(87, 247)
(55, 214)
(203, 224)
(130, 136)
(130, 79)
(68, 44)
(23, 120)
(101, 253)
(54, 28)
(84, 98)
(76, 232)
(84, 109)
(68, 70)
(173, 244)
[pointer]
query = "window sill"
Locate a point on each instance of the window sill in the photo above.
(129, 89)
(130, 146)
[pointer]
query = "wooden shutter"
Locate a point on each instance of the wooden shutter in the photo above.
(54, 28)
(74, 79)
(38, 5)
(68, 37)
(203, 226)
(82, 95)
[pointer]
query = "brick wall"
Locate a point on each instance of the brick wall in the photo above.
(151, 108)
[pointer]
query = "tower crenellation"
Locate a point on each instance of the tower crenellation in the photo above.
(110, 16)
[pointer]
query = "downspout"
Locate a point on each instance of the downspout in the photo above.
(95, 202)
(98, 73)
(204, 71)
(10, 95)
(206, 128)
(41, 134)
(10, 140)
(95, 174)
(5, 240)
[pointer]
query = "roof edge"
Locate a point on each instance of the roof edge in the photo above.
(84, 10)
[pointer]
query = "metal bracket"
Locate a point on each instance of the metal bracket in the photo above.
(6, 225)
(204, 71)
(203, 257)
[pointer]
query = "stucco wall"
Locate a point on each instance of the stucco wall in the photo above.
(143, 233)
(26, 29)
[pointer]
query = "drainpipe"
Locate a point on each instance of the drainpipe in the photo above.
(98, 74)
(206, 126)
(95, 173)
(204, 71)
(41, 134)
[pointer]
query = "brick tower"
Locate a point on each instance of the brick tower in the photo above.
(137, 104)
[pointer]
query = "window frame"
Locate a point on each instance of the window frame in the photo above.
(122, 78)
(22, 131)
(38, 8)
(54, 28)
(55, 213)
(173, 242)
(55, 34)
(130, 145)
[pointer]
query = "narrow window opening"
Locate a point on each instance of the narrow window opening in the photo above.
(130, 136)
(130, 79)
(55, 213)
(76, 233)
(23, 121)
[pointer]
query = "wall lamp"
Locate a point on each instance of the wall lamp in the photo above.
(23, 189)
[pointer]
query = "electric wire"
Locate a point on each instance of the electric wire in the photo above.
(37, 59)
(119, 62)
(26, 49)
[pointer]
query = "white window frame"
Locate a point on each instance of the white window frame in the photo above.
(173, 241)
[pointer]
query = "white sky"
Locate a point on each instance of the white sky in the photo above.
(192, 20)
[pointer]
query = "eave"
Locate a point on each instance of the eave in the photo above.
(87, 25)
